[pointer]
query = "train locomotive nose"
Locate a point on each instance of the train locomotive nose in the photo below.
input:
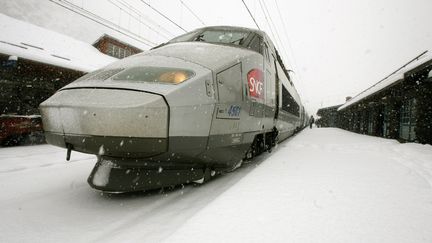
(107, 122)
(125, 128)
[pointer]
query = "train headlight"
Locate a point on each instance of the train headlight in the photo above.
(174, 77)
(154, 74)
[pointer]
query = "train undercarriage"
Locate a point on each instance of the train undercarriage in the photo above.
(119, 175)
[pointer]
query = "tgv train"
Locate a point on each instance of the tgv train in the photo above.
(184, 111)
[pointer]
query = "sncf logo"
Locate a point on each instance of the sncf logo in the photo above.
(256, 83)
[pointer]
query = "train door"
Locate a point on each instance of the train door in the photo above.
(230, 95)
(277, 90)
(225, 133)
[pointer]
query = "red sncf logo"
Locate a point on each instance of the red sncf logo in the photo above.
(256, 83)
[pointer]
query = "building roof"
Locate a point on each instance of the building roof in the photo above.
(106, 36)
(31, 42)
(329, 107)
(388, 81)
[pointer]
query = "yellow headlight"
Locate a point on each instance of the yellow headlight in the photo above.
(173, 77)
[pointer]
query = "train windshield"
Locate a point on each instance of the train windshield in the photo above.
(222, 36)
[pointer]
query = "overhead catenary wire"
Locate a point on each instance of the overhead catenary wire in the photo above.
(192, 12)
(163, 15)
(107, 23)
(266, 12)
(137, 19)
(142, 15)
(97, 19)
(267, 21)
(285, 31)
(276, 36)
(250, 14)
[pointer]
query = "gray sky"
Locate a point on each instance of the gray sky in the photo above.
(337, 48)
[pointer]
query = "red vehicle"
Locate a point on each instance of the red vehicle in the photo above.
(19, 129)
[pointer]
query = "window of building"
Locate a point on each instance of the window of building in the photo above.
(408, 120)
(117, 51)
(128, 53)
(110, 49)
(386, 121)
(122, 52)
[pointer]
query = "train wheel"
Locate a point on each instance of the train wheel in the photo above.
(256, 148)
(207, 175)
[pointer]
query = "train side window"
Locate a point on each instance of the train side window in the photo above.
(256, 44)
(272, 62)
(288, 103)
(266, 52)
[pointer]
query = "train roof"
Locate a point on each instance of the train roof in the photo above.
(245, 29)
(227, 27)
(221, 27)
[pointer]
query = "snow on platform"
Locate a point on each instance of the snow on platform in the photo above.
(323, 185)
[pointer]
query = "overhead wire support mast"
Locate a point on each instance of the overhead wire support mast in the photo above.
(163, 15)
(192, 12)
(100, 20)
(250, 14)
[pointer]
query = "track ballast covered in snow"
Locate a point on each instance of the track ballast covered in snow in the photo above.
(323, 185)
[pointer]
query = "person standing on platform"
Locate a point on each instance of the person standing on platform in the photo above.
(311, 121)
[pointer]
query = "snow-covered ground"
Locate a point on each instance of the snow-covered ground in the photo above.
(323, 185)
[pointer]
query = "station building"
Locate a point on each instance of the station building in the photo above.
(328, 116)
(114, 47)
(397, 107)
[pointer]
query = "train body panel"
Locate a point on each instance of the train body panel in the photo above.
(184, 106)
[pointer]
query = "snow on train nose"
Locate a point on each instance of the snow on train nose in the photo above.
(111, 122)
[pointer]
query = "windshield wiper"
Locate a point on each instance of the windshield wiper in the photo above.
(199, 38)
(160, 45)
(239, 40)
